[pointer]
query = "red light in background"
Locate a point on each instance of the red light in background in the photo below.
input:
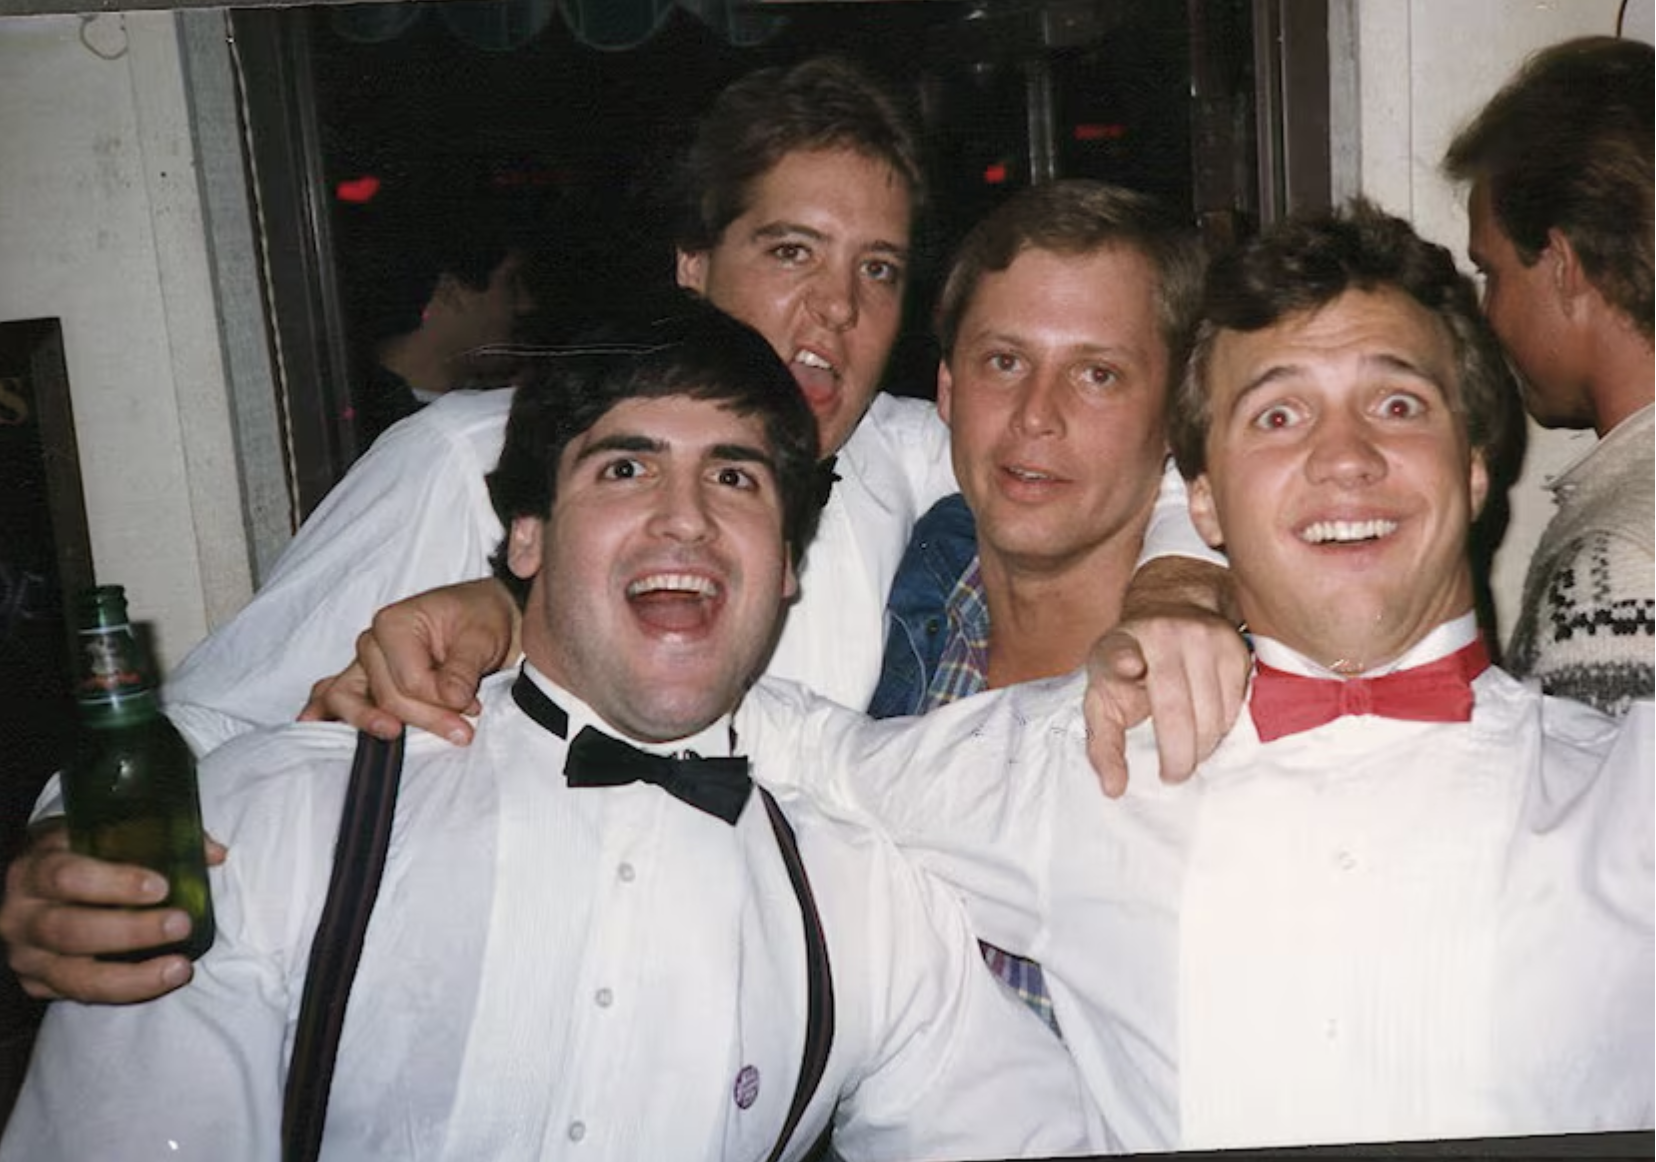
(1092, 131)
(995, 174)
(357, 190)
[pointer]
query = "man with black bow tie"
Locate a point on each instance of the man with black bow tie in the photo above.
(1407, 896)
(595, 936)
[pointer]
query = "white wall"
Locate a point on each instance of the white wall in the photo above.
(1422, 69)
(101, 227)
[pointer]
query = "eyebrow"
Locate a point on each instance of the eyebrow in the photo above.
(631, 442)
(782, 229)
(1124, 350)
(1385, 361)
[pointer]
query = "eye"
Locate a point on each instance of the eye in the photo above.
(623, 468)
(883, 270)
(1275, 418)
(1402, 405)
(791, 253)
(1099, 375)
(730, 476)
(1003, 362)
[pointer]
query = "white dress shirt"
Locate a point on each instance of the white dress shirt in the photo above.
(1373, 930)
(553, 972)
(414, 514)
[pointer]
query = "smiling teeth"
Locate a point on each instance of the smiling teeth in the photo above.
(1343, 531)
(812, 359)
(673, 583)
(1028, 474)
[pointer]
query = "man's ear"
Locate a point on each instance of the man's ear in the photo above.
(1478, 482)
(692, 270)
(945, 390)
(523, 546)
(1203, 513)
(1569, 279)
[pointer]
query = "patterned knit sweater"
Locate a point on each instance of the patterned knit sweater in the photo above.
(1587, 629)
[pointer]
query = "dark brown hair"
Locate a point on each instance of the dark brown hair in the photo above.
(756, 121)
(1080, 218)
(1309, 260)
(1566, 145)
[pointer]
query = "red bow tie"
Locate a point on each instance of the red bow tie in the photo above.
(1440, 691)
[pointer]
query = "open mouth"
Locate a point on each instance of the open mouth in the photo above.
(1025, 475)
(675, 602)
(817, 377)
(1347, 532)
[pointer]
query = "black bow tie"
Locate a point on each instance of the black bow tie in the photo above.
(826, 478)
(719, 786)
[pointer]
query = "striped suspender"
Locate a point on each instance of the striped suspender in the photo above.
(359, 862)
(819, 1005)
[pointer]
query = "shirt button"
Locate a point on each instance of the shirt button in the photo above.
(577, 1131)
(1345, 860)
(604, 998)
(625, 873)
(1331, 1029)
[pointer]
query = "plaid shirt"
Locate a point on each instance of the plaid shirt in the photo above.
(962, 672)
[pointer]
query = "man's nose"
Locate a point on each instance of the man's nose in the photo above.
(1036, 412)
(682, 510)
(832, 299)
(1344, 450)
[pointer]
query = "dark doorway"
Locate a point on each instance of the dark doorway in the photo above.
(522, 107)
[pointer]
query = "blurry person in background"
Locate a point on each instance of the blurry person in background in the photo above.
(1559, 167)
(432, 279)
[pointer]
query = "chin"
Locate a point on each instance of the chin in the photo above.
(668, 714)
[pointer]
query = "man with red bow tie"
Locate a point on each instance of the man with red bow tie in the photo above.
(1408, 896)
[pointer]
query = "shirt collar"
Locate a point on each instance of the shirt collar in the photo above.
(1442, 641)
(1632, 429)
(967, 607)
(712, 741)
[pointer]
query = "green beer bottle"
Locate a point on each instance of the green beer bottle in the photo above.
(130, 791)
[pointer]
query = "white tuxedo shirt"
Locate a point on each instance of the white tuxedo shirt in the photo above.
(1372, 930)
(554, 972)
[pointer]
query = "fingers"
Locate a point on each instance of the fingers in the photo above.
(61, 909)
(1114, 702)
(1198, 671)
(345, 697)
(1187, 670)
(401, 690)
(101, 982)
(1106, 744)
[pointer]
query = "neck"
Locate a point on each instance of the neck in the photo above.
(422, 363)
(1617, 358)
(1318, 659)
(712, 737)
(1044, 617)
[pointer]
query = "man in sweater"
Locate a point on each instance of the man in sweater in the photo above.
(1559, 164)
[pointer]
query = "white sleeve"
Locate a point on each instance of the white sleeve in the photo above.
(1171, 532)
(193, 1076)
(196, 1075)
(959, 1068)
(920, 441)
(411, 515)
(942, 786)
